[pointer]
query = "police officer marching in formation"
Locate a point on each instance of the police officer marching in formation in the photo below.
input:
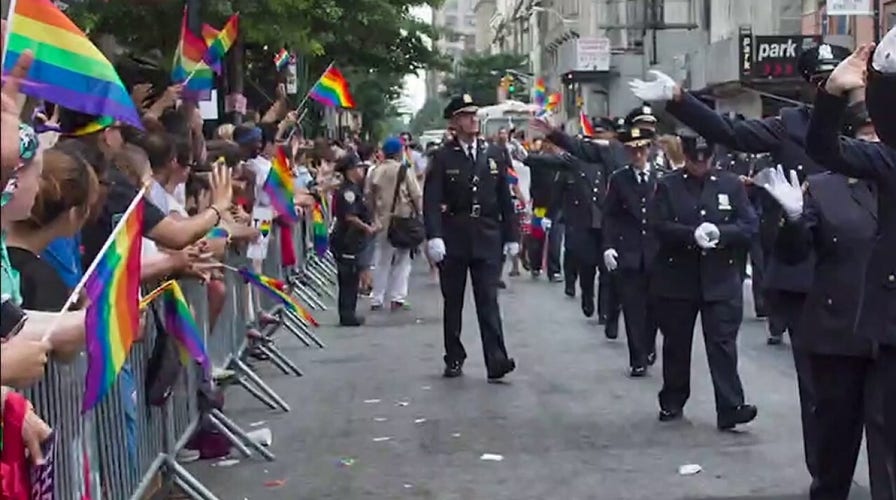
(353, 228)
(629, 245)
(702, 219)
(786, 286)
(469, 216)
(643, 118)
(875, 162)
(583, 192)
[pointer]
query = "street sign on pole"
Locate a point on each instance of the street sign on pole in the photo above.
(593, 53)
(850, 8)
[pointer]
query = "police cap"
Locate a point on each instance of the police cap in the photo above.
(695, 147)
(641, 114)
(460, 104)
(636, 137)
(604, 124)
(347, 162)
(821, 60)
(856, 117)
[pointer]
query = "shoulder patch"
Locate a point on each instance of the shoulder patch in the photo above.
(349, 196)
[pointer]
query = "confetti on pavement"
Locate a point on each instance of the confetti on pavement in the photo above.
(491, 457)
(381, 439)
(371, 401)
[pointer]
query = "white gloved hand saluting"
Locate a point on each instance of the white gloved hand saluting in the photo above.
(662, 88)
(512, 249)
(707, 235)
(436, 249)
(610, 259)
(788, 193)
(546, 224)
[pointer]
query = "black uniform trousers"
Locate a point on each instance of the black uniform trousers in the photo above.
(453, 280)
(883, 404)
(570, 267)
(757, 268)
(348, 277)
(640, 327)
(609, 304)
(721, 322)
(555, 246)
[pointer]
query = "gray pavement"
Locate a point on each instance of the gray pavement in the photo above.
(570, 425)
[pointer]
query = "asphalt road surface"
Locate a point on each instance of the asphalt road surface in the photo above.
(373, 419)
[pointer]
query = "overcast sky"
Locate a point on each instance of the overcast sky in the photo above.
(414, 85)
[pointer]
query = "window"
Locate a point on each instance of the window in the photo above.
(835, 25)
(889, 15)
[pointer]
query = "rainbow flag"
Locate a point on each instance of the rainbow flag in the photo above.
(332, 90)
(280, 186)
(189, 67)
(68, 69)
(585, 124)
(539, 92)
(217, 232)
(209, 33)
(113, 316)
(181, 324)
(281, 59)
(278, 290)
(151, 296)
(218, 48)
(264, 227)
(553, 103)
(319, 230)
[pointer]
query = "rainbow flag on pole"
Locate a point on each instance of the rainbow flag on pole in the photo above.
(218, 48)
(281, 59)
(585, 124)
(539, 92)
(189, 67)
(181, 324)
(68, 69)
(332, 90)
(278, 290)
(280, 186)
(113, 316)
(319, 230)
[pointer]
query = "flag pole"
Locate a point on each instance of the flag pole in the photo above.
(308, 93)
(72, 298)
(9, 15)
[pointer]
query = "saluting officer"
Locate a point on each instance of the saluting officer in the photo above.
(591, 162)
(629, 245)
(469, 216)
(702, 219)
(643, 118)
(874, 162)
(353, 228)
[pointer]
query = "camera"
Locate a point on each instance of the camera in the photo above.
(12, 318)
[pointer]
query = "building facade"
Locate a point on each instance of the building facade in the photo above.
(457, 23)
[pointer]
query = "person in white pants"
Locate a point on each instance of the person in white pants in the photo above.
(393, 265)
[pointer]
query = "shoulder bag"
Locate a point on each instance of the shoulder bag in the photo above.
(404, 232)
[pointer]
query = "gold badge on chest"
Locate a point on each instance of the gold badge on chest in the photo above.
(492, 166)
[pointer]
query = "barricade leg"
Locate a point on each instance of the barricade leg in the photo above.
(306, 328)
(299, 288)
(236, 441)
(279, 360)
(243, 368)
(188, 483)
(256, 392)
(237, 431)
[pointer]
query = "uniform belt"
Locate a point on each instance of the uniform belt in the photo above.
(473, 213)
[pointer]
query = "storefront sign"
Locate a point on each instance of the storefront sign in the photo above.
(775, 57)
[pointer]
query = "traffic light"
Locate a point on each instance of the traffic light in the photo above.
(511, 86)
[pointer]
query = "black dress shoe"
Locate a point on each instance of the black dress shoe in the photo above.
(611, 329)
(555, 278)
(453, 369)
(570, 289)
(353, 321)
(743, 414)
(651, 358)
(670, 415)
(503, 369)
(775, 339)
(502, 285)
(638, 371)
(588, 306)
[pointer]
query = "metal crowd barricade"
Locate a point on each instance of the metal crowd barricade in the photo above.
(125, 446)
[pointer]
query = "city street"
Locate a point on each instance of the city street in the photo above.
(374, 419)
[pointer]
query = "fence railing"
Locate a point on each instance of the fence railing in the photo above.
(126, 445)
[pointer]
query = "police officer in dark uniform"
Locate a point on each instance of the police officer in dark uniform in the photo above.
(592, 161)
(875, 163)
(469, 215)
(643, 118)
(630, 248)
(351, 232)
(702, 218)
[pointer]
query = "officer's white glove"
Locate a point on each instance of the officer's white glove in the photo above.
(660, 89)
(788, 193)
(706, 235)
(512, 249)
(436, 249)
(546, 224)
(610, 257)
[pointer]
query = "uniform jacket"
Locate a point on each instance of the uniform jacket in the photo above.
(348, 239)
(838, 225)
(579, 192)
(626, 223)
(455, 186)
(875, 162)
(784, 137)
(682, 270)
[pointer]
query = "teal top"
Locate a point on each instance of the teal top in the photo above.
(9, 277)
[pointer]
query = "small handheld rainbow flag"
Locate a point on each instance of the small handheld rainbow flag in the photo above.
(278, 290)
(209, 33)
(151, 296)
(281, 59)
(539, 92)
(68, 69)
(189, 67)
(319, 230)
(217, 232)
(586, 125)
(264, 227)
(113, 316)
(332, 90)
(218, 48)
(553, 103)
(280, 186)
(181, 324)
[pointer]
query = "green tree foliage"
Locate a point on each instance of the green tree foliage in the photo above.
(480, 74)
(373, 42)
(429, 117)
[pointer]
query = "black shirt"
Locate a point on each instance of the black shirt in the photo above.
(42, 287)
(120, 194)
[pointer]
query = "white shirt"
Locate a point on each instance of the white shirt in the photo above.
(645, 171)
(261, 167)
(471, 150)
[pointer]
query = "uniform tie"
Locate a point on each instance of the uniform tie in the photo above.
(470, 153)
(642, 177)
